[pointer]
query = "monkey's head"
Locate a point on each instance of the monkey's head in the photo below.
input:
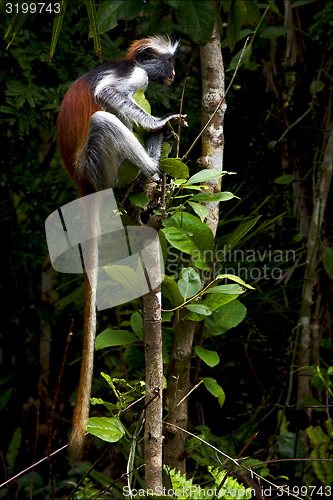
(156, 56)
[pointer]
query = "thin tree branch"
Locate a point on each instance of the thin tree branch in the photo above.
(219, 104)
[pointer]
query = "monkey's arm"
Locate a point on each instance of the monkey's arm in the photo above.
(116, 102)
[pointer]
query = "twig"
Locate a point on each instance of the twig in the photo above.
(219, 104)
(251, 365)
(88, 472)
(4, 468)
(34, 458)
(183, 399)
(180, 112)
(32, 466)
(233, 465)
(205, 442)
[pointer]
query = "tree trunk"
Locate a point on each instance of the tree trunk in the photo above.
(152, 321)
(212, 71)
(310, 278)
(154, 374)
(178, 387)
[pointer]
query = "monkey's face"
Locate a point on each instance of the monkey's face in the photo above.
(169, 72)
(160, 68)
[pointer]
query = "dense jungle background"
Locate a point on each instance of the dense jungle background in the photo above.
(275, 366)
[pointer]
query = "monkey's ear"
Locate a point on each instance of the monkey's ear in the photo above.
(145, 55)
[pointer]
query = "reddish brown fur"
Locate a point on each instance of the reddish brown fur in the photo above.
(136, 47)
(73, 120)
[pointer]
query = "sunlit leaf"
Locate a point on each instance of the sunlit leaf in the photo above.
(189, 282)
(211, 358)
(107, 429)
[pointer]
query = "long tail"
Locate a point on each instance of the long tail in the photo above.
(81, 412)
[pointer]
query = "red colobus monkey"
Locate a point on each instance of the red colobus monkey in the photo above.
(94, 136)
(98, 112)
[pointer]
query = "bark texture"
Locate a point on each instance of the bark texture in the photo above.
(154, 374)
(153, 437)
(307, 319)
(178, 387)
(212, 71)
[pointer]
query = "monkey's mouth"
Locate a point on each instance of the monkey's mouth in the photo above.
(168, 81)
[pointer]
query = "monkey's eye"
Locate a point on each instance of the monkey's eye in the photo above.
(168, 63)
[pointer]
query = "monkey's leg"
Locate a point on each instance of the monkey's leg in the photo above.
(109, 142)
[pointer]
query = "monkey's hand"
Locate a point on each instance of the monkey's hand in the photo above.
(178, 119)
(174, 119)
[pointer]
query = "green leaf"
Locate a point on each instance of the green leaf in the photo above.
(226, 289)
(16, 24)
(232, 277)
(236, 236)
(137, 324)
(175, 168)
(200, 210)
(140, 98)
(189, 282)
(188, 234)
(127, 277)
(197, 309)
(5, 398)
(99, 401)
(110, 12)
(289, 445)
(264, 471)
(201, 234)
(107, 429)
(299, 3)
(197, 18)
(316, 86)
(224, 318)
(138, 199)
(131, 9)
(179, 239)
(285, 179)
(165, 151)
(252, 15)
(111, 338)
(13, 448)
(274, 31)
(171, 291)
(215, 300)
(57, 27)
(203, 176)
(173, 3)
(215, 389)
(127, 173)
(8, 110)
(93, 23)
(211, 358)
(225, 196)
(328, 261)
(236, 19)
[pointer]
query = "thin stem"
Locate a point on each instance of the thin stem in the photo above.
(219, 104)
